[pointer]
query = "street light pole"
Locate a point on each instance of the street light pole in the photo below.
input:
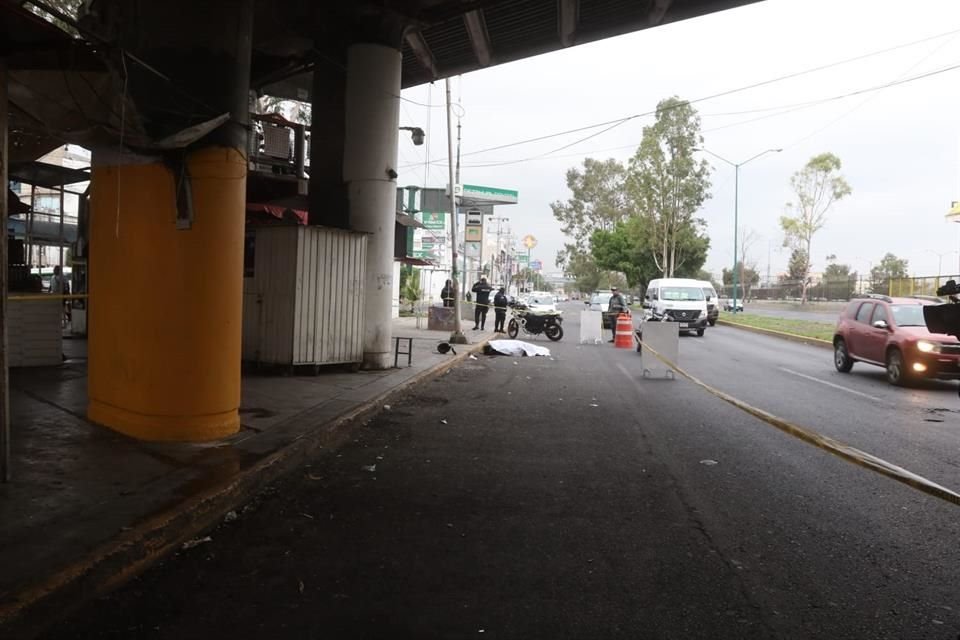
(457, 336)
(736, 207)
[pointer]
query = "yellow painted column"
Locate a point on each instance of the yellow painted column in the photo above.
(166, 304)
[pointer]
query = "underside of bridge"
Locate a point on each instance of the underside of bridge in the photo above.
(159, 91)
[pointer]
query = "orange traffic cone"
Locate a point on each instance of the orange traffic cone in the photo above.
(624, 338)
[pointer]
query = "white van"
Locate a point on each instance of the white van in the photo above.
(713, 301)
(677, 300)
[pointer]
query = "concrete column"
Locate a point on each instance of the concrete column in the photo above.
(166, 238)
(369, 169)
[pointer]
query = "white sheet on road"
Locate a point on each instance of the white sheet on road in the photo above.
(664, 338)
(518, 348)
(591, 326)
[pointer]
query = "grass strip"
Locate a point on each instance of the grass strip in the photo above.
(803, 328)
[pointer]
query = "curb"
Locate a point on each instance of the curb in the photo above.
(792, 337)
(28, 612)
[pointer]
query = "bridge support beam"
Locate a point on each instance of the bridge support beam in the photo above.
(166, 237)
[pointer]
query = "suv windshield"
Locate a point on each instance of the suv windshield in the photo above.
(681, 293)
(908, 315)
(601, 298)
(541, 300)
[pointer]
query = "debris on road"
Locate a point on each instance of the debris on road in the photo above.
(307, 515)
(230, 517)
(443, 421)
(594, 404)
(473, 357)
(196, 542)
(386, 407)
(708, 463)
(369, 467)
(300, 586)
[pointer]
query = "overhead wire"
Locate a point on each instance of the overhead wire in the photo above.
(784, 109)
(871, 96)
(720, 94)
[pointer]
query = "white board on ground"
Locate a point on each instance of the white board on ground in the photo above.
(591, 327)
(664, 338)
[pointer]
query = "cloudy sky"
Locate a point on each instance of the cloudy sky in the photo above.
(900, 146)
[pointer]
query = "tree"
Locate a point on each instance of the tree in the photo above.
(839, 283)
(666, 185)
(410, 285)
(597, 202)
(890, 268)
(628, 249)
(797, 269)
(747, 278)
(817, 186)
(748, 238)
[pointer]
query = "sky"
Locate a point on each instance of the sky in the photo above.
(900, 146)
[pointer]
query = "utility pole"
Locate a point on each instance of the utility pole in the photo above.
(463, 294)
(457, 336)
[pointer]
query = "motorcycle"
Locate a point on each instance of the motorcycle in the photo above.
(533, 323)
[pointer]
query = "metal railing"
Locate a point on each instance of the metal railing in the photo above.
(840, 290)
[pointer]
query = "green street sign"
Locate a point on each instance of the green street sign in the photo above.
(433, 221)
(492, 195)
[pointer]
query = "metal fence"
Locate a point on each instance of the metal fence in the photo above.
(842, 289)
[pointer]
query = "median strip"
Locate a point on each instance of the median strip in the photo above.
(808, 331)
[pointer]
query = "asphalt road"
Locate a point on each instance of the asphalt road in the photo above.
(569, 497)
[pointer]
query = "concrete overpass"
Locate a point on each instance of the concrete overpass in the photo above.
(160, 92)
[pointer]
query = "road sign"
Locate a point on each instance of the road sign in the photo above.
(473, 233)
(522, 258)
(472, 193)
(434, 221)
(474, 217)
(536, 265)
(529, 241)
(472, 249)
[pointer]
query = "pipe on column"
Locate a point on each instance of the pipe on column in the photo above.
(369, 170)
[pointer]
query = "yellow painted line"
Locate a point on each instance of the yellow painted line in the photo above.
(828, 444)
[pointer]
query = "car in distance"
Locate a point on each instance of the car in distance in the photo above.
(728, 305)
(891, 333)
(542, 302)
(600, 301)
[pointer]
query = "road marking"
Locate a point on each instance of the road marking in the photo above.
(830, 384)
(627, 373)
(828, 444)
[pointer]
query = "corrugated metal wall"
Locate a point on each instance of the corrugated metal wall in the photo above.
(330, 283)
(306, 296)
(275, 262)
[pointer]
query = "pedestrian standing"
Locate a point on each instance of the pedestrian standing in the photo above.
(500, 308)
(482, 289)
(60, 286)
(447, 293)
(616, 306)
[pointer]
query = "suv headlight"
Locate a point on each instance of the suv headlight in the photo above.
(925, 346)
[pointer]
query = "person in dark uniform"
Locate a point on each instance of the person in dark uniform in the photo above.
(616, 306)
(482, 289)
(500, 308)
